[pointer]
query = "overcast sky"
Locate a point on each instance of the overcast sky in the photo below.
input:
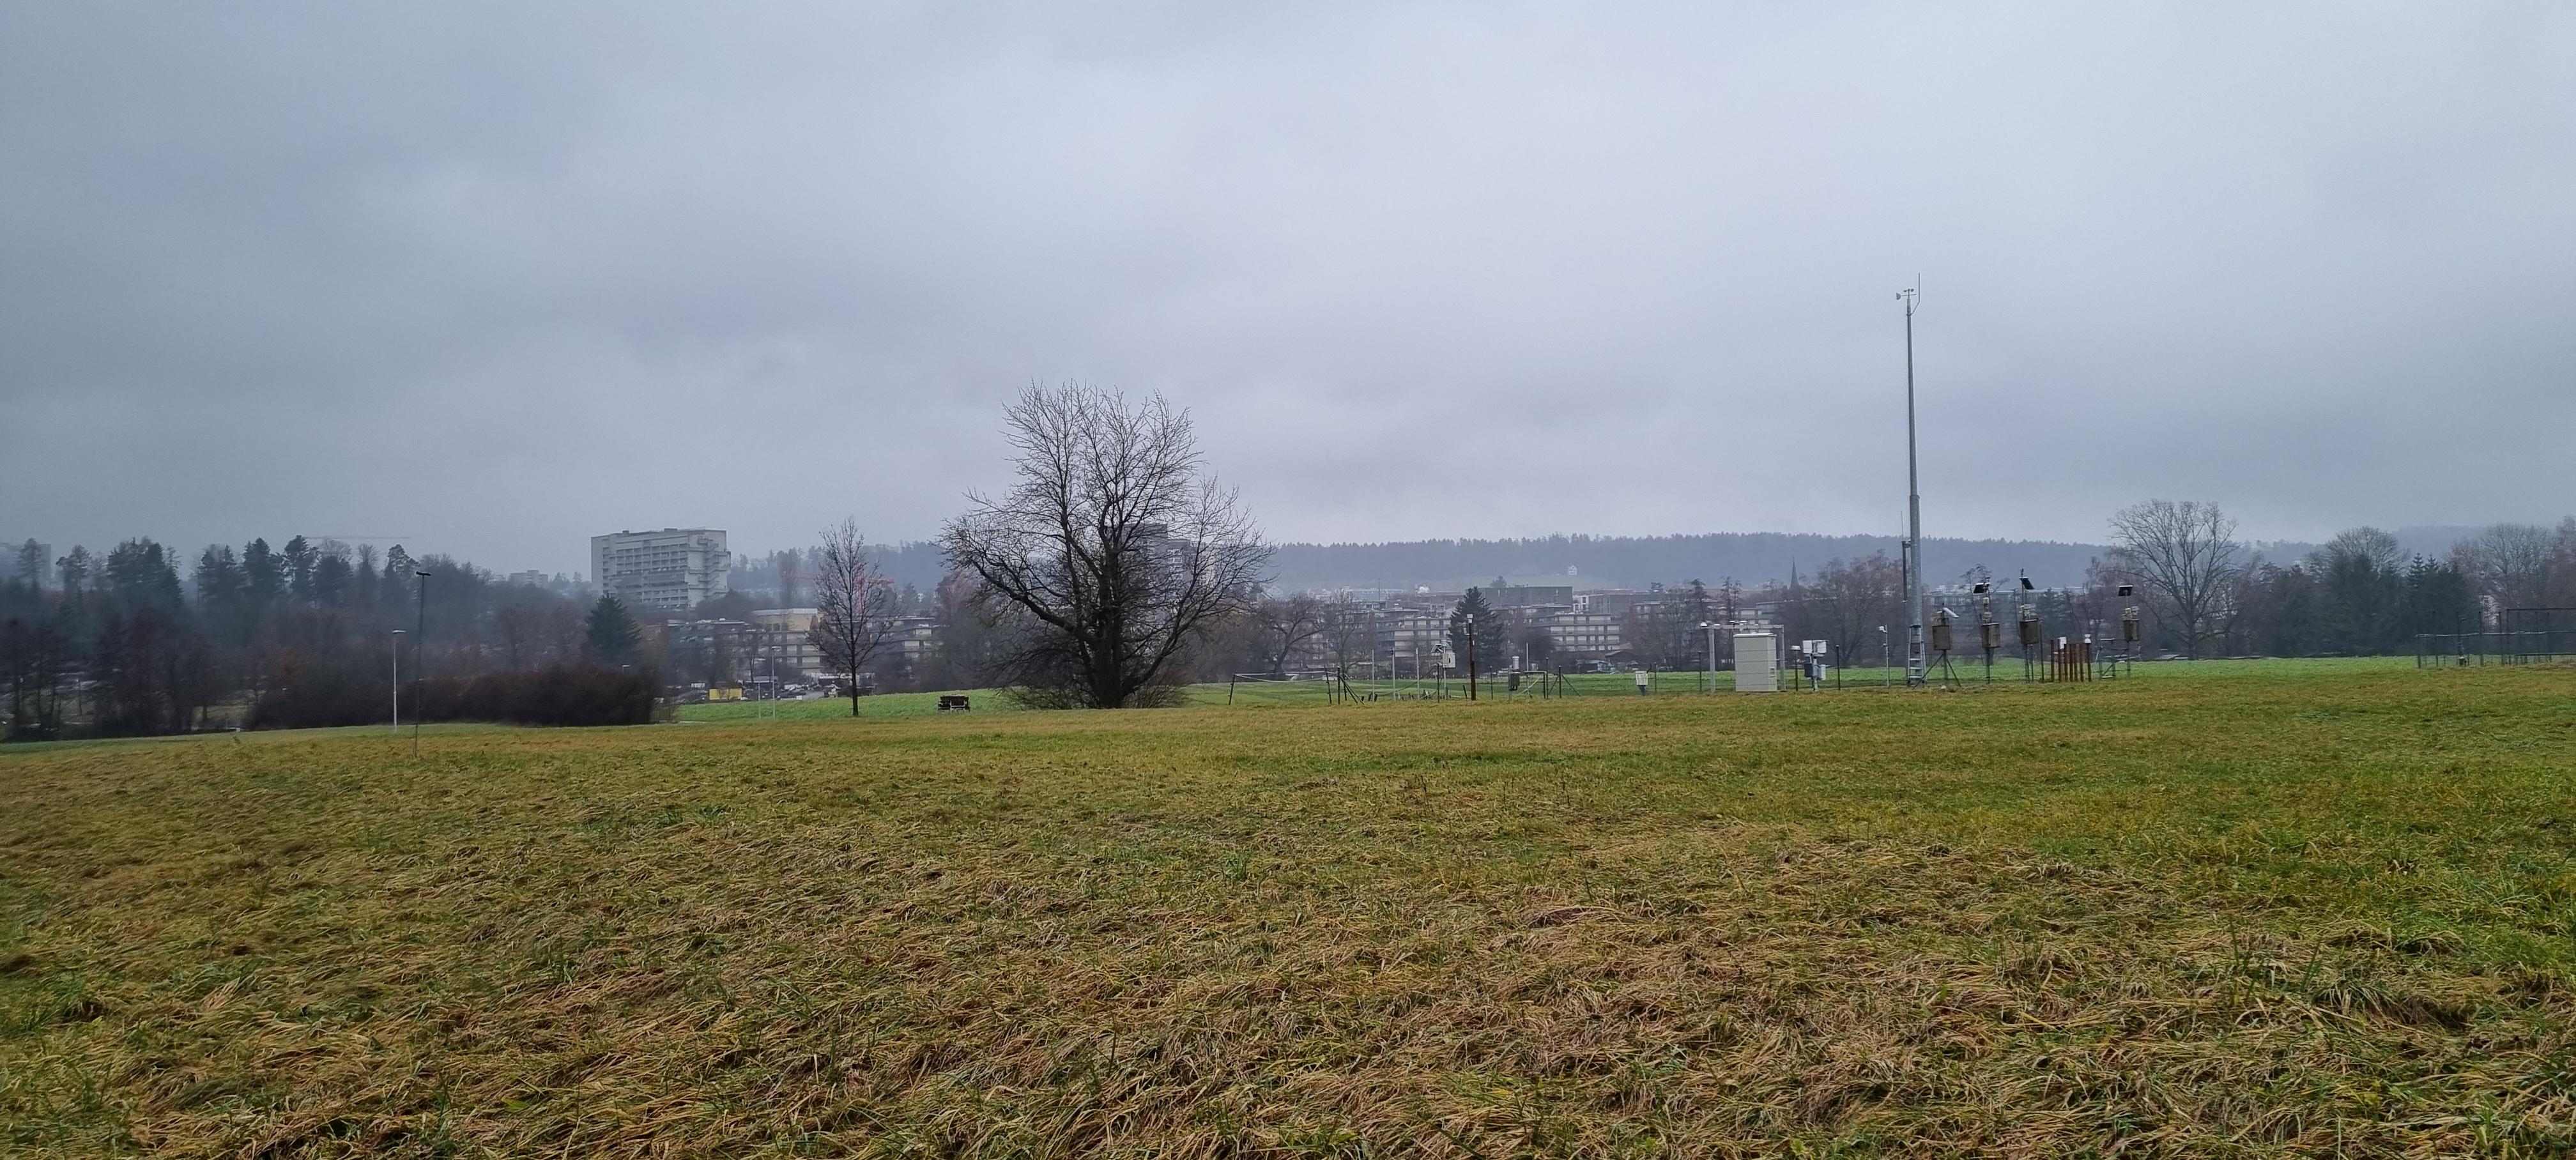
(494, 279)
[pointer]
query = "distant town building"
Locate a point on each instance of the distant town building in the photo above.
(1618, 602)
(1413, 638)
(911, 642)
(1530, 595)
(784, 637)
(673, 569)
(1581, 635)
(706, 652)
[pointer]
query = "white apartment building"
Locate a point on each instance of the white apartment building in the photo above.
(671, 569)
(1581, 634)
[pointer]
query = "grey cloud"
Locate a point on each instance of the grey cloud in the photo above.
(505, 277)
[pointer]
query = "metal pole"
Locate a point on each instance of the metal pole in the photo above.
(420, 665)
(1914, 670)
(398, 635)
(1471, 658)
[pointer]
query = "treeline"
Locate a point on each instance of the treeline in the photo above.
(555, 694)
(2362, 593)
(1633, 561)
(784, 578)
(1765, 558)
(2359, 594)
(304, 633)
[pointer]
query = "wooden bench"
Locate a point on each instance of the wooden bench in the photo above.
(954, 703)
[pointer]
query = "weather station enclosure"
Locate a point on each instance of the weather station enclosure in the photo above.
(1757, 662)
(2523, 635)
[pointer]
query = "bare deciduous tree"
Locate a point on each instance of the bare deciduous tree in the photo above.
(1349, 631)
(2562, 569)
(514, 626)
(1116, 545)
(2508, 562)
(787, 562)
(2363, 545)
(1286, 624)
(2184, 554)
(1851, 599)
(849, 605)
(563, 630)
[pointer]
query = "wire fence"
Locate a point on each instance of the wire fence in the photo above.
(2523, 647)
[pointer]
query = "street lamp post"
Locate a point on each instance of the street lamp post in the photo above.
(1471, 656)
(420, 664)
(1709, 685)
(1914, 667)
(398, 635)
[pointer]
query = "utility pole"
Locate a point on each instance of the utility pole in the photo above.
(419, 659)
(1914, 668)
(398, 635)
(1471, 656)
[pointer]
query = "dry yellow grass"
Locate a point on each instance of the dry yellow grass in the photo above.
(2254, 915)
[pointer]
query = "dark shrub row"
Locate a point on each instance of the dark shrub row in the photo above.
(554, 695)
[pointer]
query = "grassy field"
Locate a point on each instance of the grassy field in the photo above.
(876, 707)
(2271, 911)
(1246, 693)
(1662, 684)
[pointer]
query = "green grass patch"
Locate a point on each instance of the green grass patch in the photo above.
(2278, 911)
(877, 706)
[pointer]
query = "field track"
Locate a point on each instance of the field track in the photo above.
(2272, 912)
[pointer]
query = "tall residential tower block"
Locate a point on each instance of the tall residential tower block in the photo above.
(672, 569)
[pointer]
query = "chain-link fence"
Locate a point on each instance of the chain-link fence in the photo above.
(2524, 636)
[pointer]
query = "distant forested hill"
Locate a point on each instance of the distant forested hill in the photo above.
(1634, 561)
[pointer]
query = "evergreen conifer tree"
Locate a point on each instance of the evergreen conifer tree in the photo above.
(613, 637)
(263, 574)
(299, 560)
(1493, 633)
